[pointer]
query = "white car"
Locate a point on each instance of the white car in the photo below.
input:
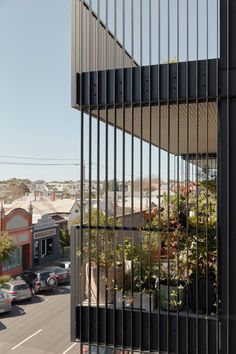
(18, 290)
(5, 302)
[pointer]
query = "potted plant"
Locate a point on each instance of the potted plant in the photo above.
(101, 260)
(142, 295)
(202, 271)
(172, 286)
(201, 247)
(140, 274)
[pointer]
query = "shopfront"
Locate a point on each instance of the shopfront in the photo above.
(17, 223)
(46, 237)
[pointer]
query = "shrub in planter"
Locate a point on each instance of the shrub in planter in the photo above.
(174, 295)
(138, 287)
(102, 253)
(202, 269)
(106, 282)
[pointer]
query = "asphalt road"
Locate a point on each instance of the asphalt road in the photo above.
(39, 326)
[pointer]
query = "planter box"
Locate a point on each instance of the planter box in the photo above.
(128, 300)
(105, 281)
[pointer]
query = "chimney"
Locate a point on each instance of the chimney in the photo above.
(53, 196)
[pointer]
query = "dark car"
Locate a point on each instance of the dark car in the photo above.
(62, 275)
(40, 279)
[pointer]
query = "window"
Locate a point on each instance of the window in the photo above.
(14, 261)
(6, 286)
(43, 248)
(36, 249)
(28, 276)
(21, 287)
(47, 247)
(46, 275)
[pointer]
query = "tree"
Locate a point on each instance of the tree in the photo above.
(64, 238)
(7, 246)
(111, 186)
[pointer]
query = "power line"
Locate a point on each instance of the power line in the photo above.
(37, 164)
(37, 158)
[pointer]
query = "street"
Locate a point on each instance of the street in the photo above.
(39, 326)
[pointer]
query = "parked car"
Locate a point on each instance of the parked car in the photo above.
(62, 275)
(65, 265)
(5, 301)
(40, 279)
(19, 290)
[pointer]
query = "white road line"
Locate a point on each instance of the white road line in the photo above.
(32, 335)
(66, 351)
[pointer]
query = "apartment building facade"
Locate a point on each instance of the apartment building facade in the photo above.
(154, 83)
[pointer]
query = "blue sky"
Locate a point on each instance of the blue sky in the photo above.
(35, 79)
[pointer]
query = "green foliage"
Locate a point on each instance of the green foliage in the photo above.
(111, 186)
(64, 238)
(179, 245)
(4, 279)
(199, 256)
(7, 246)
(100, 246)
(193, 242)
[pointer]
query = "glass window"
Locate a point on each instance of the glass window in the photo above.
(43, 248)
(21, 287)
(36, 249)
(14, 261)
(2, 296)
(6, 286)
(46, 275)
(49, 246)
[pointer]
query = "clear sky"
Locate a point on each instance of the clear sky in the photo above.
(35, 81)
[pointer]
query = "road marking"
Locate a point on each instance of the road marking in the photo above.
(66, 351)
(32, 335)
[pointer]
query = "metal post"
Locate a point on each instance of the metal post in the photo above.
(227, 176)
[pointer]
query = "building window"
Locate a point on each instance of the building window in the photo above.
(47, 247)
(36, 249)
(14, 261)
(43, 248)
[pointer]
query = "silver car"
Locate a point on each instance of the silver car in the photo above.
(5, 302)
(18, 289)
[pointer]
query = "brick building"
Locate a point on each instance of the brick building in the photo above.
(17, 223)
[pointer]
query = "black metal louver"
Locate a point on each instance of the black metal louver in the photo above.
(153, 256)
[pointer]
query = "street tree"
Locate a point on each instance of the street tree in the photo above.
(7, 246)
